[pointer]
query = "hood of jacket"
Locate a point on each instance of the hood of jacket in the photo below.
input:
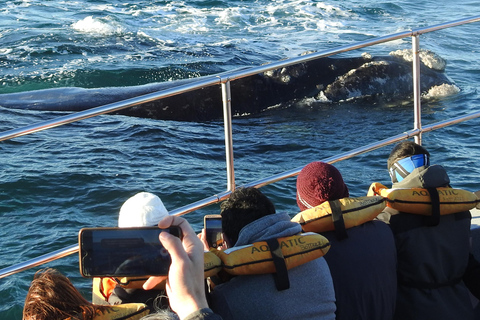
(275, 225)
(425, 177)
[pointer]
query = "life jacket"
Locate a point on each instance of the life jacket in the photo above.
(274, 256)
(423, 201)
(128, 311)
(339, 215)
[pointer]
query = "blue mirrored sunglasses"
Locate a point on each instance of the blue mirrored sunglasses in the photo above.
(402, 168)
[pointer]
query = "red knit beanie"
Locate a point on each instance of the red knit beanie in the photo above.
(317, 183)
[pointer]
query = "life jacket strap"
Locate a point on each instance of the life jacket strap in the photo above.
(280, 276)
(338, 222)
(434, 219)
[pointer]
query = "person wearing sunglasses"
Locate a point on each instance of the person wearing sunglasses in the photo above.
(433, 252)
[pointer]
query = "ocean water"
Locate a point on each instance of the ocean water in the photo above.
(55, 182)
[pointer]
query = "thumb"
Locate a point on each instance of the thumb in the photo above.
(152, 282)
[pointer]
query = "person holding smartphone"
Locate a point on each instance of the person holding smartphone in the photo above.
(47, 298)
(144, 209)
(248, 216)
(185, 281)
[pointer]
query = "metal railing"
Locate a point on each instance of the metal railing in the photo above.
(224, 80)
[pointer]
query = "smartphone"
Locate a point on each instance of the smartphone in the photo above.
(213, 229)
(123, 252)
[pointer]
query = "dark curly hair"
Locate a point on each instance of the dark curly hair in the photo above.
(244, 205)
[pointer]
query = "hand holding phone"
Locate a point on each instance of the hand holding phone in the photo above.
(124, 252)
(185, 283)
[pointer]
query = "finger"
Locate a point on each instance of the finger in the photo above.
(177, 221)
(173, 245)
(190, 240)
(152, 282)
(203, 237)
(191, 244)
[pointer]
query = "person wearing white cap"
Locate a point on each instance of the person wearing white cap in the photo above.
(142, 210)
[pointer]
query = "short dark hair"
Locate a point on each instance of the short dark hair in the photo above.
(244, 205)
(403, 150)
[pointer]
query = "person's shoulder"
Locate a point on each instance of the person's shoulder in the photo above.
(368, 232)
(378, 225)
(318, 267)
(371, 230)
(252, 283)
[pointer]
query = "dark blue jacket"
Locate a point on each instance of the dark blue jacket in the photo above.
(364, 272)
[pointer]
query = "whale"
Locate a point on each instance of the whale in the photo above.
(328, 79)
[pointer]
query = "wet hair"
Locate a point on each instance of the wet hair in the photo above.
(403, 150)
(52, 296)
(245, 205)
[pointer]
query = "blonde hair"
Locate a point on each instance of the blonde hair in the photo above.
(52, 296)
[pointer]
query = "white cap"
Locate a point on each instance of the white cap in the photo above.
(142, 210)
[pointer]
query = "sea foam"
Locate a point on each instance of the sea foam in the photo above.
(96, 26)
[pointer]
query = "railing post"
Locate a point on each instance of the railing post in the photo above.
(227, 120)
(417, 108)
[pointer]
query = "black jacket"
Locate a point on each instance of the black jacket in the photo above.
(432, 260)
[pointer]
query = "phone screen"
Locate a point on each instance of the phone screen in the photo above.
(213, 230)
(123, 252)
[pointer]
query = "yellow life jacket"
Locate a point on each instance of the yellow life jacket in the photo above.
(130, 311)
(127, 311)
(328, 215)
(419, 201)
(257, 258)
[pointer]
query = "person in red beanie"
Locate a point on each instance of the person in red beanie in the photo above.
(319, 182)
(363, 265)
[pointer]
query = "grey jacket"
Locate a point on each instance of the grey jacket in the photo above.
(310, 296)
(431, 259)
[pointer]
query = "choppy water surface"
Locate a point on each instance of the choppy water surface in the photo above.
(55, 182)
